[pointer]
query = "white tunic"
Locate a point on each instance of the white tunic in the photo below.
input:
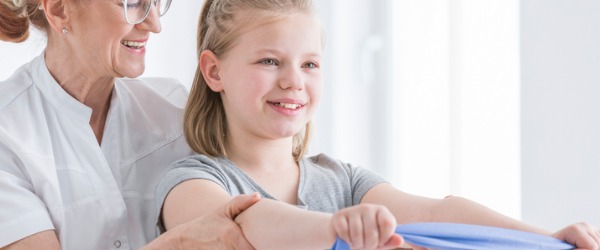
(54, 175)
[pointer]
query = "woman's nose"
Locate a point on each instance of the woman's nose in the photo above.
(152, 21)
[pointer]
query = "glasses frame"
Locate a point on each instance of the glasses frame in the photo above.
(147, 11)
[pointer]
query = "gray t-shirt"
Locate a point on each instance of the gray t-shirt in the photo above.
(326, 184)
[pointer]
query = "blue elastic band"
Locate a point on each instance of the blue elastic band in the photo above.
(452, 236)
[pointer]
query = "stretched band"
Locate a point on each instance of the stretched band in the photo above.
(451, 236)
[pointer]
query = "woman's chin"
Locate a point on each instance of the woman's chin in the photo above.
(132, 72)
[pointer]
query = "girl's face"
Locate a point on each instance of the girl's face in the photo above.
(271, 77)
(105, 42)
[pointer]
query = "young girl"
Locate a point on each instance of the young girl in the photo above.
(248, 116)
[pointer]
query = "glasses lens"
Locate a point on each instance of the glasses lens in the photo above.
(136, 10)
(163, 6)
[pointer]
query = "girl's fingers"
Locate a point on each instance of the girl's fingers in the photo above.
(371, 228)
(387, 226)
(595, 235)
(355, 224)
(395, 242)
(582, 235)
(341, 227)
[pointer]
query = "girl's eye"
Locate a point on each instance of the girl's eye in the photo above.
(269, 61)
(310, 65)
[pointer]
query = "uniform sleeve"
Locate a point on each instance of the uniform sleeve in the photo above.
(195, 167)
(362, 180)
(22, 212)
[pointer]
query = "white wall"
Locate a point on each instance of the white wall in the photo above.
(13, 55)
(172, 53)
(457, 100)
(560, 57)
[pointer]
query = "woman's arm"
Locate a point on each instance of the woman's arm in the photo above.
(42, 240)
(409, 208)
(214, 230)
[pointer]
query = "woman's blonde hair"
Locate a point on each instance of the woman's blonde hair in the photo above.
(205, 122)
(16, 17)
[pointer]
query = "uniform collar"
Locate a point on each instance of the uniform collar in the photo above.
(56, 95)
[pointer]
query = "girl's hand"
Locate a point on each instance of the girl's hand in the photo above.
(367, 226)
(582, 235)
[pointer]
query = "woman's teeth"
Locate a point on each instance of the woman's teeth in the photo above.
(134, 45)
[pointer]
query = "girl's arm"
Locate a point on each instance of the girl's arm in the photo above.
(409, 208)
(211, 231)
(270, 224)
(266, 225)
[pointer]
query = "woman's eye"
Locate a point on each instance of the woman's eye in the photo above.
(133, 4)
(269, 61)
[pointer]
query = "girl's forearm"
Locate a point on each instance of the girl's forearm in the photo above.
(270, 224)
(409, 208)
(457, 209)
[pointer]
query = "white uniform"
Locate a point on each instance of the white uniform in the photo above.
(54, 175)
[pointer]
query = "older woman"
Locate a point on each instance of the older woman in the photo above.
(82, 144)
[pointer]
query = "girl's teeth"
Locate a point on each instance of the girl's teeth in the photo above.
(288, 105)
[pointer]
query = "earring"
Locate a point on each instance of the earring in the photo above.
(64, 30)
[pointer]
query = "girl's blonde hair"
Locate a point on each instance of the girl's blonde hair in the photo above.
(205, 124)
(16, 17)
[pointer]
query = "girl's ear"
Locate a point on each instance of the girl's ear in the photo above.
(57, 14)
(210, 66)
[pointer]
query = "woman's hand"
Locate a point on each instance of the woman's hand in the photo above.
(215, 230)
(582, 235)
(367, 226)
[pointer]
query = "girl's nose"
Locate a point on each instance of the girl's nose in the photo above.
(292, 79)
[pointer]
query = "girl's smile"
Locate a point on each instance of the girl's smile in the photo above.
(287, 107)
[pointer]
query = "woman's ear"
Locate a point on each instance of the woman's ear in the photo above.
(56, 14)
(210, 66)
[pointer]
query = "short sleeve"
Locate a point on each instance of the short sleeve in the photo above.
(194, 167)
(22, 212)
(362, 180)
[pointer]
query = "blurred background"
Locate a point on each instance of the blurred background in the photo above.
(494, 100)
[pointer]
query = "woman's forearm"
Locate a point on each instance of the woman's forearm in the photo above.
(270, 224)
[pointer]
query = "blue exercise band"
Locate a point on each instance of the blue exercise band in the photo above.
(453, 236)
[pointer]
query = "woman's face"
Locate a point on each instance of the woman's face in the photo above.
(104, 42)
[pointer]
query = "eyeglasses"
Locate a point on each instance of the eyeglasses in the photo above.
(136, 11)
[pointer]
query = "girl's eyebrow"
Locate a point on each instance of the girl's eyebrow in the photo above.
(269, 51)
(279, 52)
